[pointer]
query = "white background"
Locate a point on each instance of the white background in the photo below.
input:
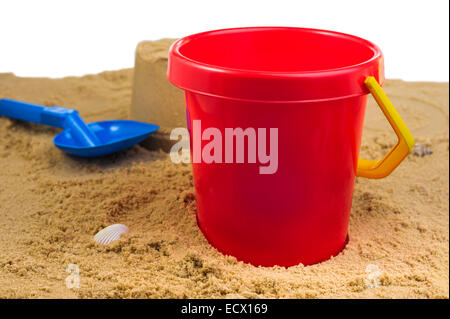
(60, 38)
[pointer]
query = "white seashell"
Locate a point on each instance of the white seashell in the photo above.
(421, 150)
(110, 233)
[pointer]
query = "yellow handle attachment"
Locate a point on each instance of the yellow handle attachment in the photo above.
(384, 166)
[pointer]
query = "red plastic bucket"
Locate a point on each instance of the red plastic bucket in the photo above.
(309, 85)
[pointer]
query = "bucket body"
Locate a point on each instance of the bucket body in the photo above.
(298, 212)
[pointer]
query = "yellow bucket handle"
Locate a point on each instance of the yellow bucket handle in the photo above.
(383, 167)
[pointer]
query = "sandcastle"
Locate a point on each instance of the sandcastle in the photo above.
(155, 99)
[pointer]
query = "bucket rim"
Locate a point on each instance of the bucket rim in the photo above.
(189, 74)
(176, 46)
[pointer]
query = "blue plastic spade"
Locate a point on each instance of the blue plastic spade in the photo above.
(79, 138)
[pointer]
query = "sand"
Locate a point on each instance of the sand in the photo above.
(51, 205)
